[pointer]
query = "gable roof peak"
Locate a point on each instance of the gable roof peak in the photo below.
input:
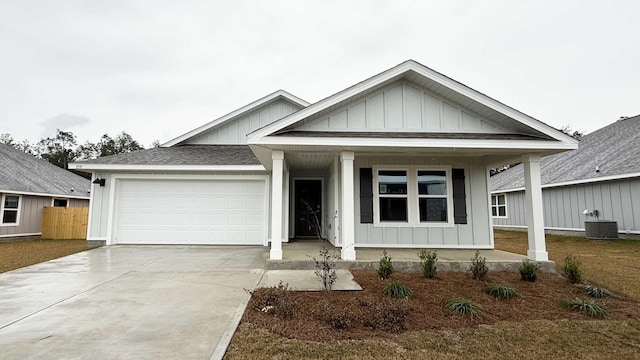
(414, 71)
(278, 94)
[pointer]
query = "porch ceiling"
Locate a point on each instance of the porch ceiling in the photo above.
(309, 160)
(315, 157)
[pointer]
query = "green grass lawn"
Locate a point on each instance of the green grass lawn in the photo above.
(14, 255)
(611, 264)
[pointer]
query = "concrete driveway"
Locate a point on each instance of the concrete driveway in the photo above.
(127, 302)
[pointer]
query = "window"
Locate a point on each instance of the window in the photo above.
(499, 205)
(392, 187)
(10, 209)
(60, 203)
(432, 194)
(413, 196)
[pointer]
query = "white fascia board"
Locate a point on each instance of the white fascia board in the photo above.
(575, 182)
(138, 167)
(65, 196)
(428, 73)
(19, 235)
(236, 113)
(412, 142)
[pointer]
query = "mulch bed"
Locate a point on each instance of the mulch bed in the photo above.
(540, 300)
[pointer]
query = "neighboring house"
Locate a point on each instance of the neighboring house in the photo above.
(27, 185)
(398, 160)
(603, 174)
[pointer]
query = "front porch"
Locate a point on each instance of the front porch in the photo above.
(297, 256)
(431, 200)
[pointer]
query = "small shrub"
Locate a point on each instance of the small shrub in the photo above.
(429, 260)
(463, 307)
(571, 269)
(274, 300)
(326, 268)
(597, 292)
(528, 271)
(501, 292)
(479, 267)
(388, 315)
(396, 289)
(589, 307)
(385, 269)
(338, 317)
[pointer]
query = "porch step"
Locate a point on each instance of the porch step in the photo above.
(409, 265)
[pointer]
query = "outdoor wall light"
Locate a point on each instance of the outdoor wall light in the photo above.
(588, 213)
(99, 180)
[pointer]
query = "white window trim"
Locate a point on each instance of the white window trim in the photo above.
(17, 223)
(413, 211)
(54, 199)
(497, 206)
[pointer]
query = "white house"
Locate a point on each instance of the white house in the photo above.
(398, 160)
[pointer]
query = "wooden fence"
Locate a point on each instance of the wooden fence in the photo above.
(65, 223)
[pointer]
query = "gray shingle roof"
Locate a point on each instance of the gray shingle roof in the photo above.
(183, 155)
(614, 149)
(21, 172)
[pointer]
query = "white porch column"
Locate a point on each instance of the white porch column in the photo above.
(285, 202)
(534, 208)
(276, 204)
(347, 213)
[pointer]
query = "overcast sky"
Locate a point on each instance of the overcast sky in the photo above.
(157, 69)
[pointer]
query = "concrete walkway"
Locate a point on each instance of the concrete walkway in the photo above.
(128, 302)
(296, 256)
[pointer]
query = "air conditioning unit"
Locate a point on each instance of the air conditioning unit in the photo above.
(601, 230)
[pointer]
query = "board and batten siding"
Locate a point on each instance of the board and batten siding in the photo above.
(475, 234)
(99, 212)
(31, 214)
(235, 132)
(617, 200)
(402, 107)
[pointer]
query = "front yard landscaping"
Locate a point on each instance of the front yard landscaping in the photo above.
(14, 255)
(611, 263)
(369, 325)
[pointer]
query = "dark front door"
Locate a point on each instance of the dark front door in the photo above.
(308, 211)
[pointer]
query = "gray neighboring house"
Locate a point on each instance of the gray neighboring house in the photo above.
(602, 174)
(27, 185)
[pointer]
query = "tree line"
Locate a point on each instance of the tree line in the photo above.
(63, 148)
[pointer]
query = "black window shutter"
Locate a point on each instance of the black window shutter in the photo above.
(366, 196)
(459, 197)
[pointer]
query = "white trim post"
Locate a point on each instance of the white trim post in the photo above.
(534, 208)
(347, 212)
(277, 172)
(285, 202)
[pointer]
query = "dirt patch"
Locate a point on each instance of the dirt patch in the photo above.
(539, 301)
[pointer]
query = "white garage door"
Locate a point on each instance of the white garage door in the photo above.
(220, 212)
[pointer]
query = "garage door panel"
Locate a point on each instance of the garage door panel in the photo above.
(190, 212)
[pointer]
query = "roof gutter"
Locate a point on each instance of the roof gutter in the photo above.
(404, 143)
(66, 196)
(575, 182)
(141, 167)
